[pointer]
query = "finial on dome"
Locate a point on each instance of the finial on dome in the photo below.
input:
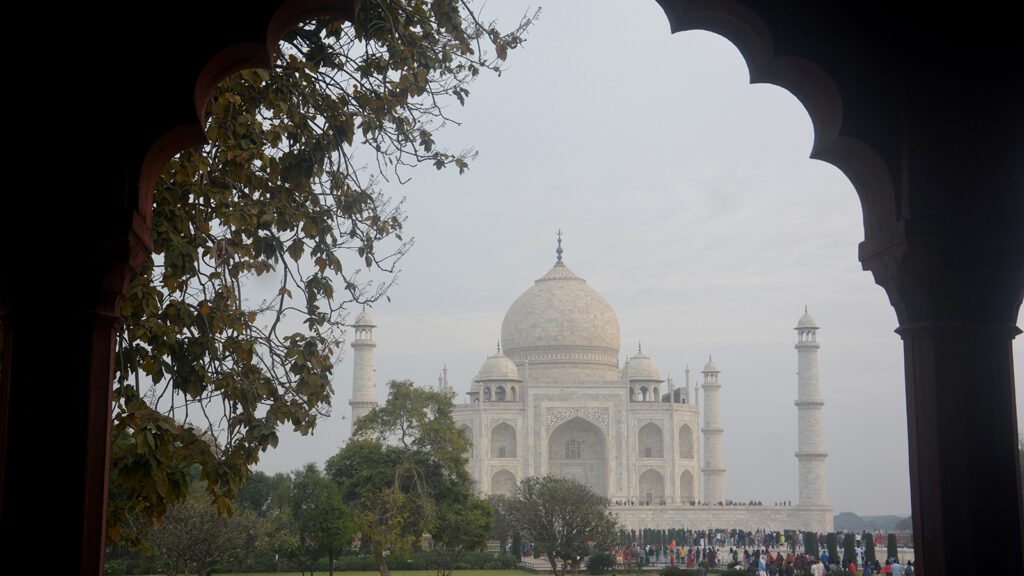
(639, 347)
(558, 251)
(499, 346)
(805, 309)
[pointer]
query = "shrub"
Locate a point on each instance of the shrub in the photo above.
(890, 547)
(677, 571)
(600, 563)
(831, 545)
(869, 546)
(849, 549)
(811, 544)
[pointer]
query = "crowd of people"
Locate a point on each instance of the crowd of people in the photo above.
(756, 561)
(760, 553)
(663, 502)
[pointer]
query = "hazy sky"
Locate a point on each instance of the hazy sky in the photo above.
(688, 201)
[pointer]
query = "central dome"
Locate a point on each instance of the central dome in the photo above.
(563, 329)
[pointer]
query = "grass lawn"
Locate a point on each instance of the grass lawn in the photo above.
(401, 573)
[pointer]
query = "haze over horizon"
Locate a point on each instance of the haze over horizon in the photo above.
(688, 201)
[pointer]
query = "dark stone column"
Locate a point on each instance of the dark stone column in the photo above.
(957, 313)
(56, 377)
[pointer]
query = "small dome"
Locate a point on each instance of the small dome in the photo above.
(642, 368)
(498, 367)
(806, 321)
(710, 366)
(365, 319)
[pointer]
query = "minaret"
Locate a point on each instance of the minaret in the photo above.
(714, 458)
(442, 380)
(810, 451)
(688, 400)
(364, 398)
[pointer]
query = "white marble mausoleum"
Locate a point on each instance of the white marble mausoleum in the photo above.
(554, 399)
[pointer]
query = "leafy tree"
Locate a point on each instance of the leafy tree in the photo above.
(462, 525)
(193, 539)
(320, 522)
(891, 549)
(564, 519)
(405, 457)
(265, 495)
(503, 528)
(207, 367)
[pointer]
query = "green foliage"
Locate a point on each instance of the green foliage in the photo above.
(811, 547)
(463, 523)
(319, 522)
(193, 539)
(600, 563)
(517, 545)
(207, 371)
(405, 460)
(831, 544)
(849, 549)
(677, 571)
(565, 520)
(891, 548)
(869, 546)
(503, 528)
(426, 560)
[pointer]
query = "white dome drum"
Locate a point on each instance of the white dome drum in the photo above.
(561, 326)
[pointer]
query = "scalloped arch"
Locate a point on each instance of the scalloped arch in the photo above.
(812, 86)
(230, 59)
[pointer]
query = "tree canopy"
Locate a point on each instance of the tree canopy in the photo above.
(564, 519)
(405, 461)
(321, 522)
(193, 539)
(264, 238)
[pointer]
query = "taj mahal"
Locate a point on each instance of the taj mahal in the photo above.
(555, 399)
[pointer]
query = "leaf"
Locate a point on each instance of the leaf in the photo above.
(296, 249)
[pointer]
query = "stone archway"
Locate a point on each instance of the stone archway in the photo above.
(651, 441)
(687, 489)
(652, 487)
(577, 449)
(503, 441)
(686, 441)
(503, 482)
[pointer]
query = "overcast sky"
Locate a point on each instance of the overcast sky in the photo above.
(687, 199)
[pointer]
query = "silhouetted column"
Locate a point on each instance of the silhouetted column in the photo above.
(957, 324)
(56, 386)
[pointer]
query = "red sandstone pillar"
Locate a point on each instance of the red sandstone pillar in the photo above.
(957, 321)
